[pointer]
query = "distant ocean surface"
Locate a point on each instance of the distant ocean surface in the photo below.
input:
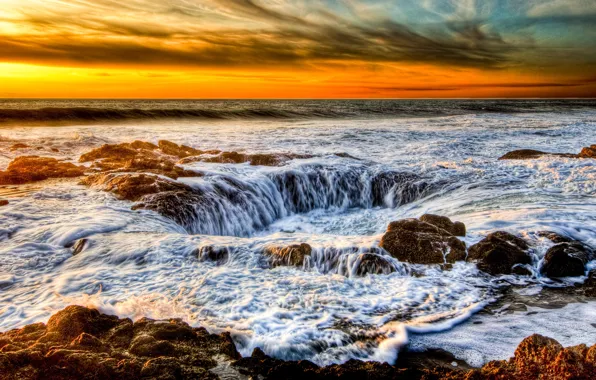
(442, 156)
(31, 110)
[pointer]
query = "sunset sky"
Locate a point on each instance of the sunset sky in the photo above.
(297, 48)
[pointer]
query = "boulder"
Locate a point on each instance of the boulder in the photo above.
(370, 263)
(499, 252)
(292, 255)
(29, 169)
(566, 260)
(415, 241)
(588, 152)
(455, 228)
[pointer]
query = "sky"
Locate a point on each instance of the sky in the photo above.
(297, 48)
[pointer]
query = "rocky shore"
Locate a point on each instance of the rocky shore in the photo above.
(82, 343)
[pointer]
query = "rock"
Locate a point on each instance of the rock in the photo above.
(261, 159)
(180, 151)
(370, 263)
(138, 156)
(86, 344)
(79, 246)
(415, 241)
(392, 189)
(29, 169)
(566, 260)
(133, 187)
(499, 252)
(18, 146)
(293, 255)
(3, 202)
(455, 228)
(211, 253)
(554, 237)
(588, 152)
(530, 154)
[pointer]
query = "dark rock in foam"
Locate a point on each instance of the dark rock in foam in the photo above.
(566, 259)
(415, 241)
(455, 228)
(499, 252)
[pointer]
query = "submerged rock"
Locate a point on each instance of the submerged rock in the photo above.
(29, 169)
(260, 159)
(79, 246)
(292, 255)
(18, 146)
(415, 241)
(499, 252)
(528, 154)
(554, 237)
(566, 260)
(216, 254)
(370, 263)
(3, 202)
(133, 187)
(455, 228)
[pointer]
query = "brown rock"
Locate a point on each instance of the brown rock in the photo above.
(261, 159)
(18, 146)
(499, 252)
(293, 255)
(588, 152)
(455, 228)
(180, 151)
(133, 187)
(75, 320)
(4, 202)
(415, 241)
(566, 260)
(28, 169)
(554, 237)
(79, 246)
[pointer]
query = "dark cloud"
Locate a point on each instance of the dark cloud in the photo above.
(270, 38)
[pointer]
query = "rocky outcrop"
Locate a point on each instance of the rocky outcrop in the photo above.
(138, 156)
(292, 255)
(180, 151)
(261, 159)
(455, 228)
(81, 343)
(529, 154)
(133, 187)
(566, 260)
(78, 342)
(415, 241)
(29, 169)
(499, 252)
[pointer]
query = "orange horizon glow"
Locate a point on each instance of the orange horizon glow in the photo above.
(260, 49)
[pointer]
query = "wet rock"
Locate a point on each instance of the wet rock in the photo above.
(373, 264)
(415, 241)
(554, 237)
(499, 252)
(530, 154)
(3, 202)
(138, 156)
(18, 146)
(79, 246)
(293, 255)
(29, 169)
(566, 260)
(212, 253)
(391, 189)
(455, 228)
(87, 344)
(133, 187)
(588, 152)
(260, 159)
(180, 151)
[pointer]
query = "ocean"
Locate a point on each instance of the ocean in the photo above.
(441, 157)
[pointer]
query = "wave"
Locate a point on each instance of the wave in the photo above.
(113, 110)
(225, 205)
